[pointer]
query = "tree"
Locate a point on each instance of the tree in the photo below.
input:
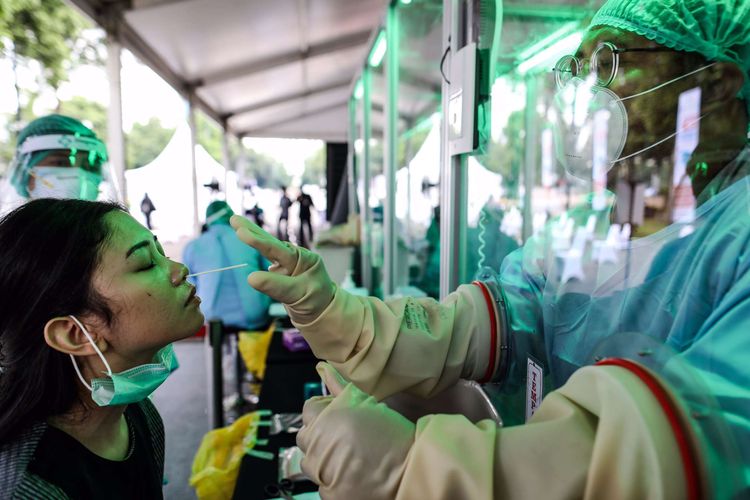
(315, 168)
(506, 156)
(41, 30)
(145, 142)
(266, 171)
(209, 135)
(90, 113)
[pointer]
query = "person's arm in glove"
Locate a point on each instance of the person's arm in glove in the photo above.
(602, 435)
(415, 345)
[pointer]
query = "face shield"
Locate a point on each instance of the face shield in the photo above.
(611, 113)
(58, 166)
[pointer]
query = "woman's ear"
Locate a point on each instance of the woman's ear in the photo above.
(64, 335)
(724, 83)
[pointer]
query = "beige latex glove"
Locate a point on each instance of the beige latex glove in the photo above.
(602, 435)
(297, 277)
(417, 345)
(420, 346)
(354, 446)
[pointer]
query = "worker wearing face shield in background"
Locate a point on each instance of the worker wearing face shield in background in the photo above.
(627, 380)
(56, 157)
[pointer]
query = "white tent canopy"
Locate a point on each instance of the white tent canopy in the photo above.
(262, 68)
(167, 180)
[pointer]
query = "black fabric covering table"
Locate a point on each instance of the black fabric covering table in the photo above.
(282, 391)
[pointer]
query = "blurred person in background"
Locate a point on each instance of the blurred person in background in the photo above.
(226, 295)
(284, 204)
(147, 206)
(305, 215)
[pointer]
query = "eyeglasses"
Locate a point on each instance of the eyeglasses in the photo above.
(604, 64)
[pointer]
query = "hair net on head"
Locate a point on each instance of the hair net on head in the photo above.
(218, 212)
(717, 29)
(55, 124)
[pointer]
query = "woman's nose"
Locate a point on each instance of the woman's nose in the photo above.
(179, 273)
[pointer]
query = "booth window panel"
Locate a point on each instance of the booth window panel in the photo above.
(515, 183)
(418, 148)
(376, 179)
(531, 189)
(359, 151)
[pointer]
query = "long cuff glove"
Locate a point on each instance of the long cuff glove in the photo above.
(297, 277)
(354, 446)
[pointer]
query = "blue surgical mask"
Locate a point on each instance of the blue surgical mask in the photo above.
(132, 385)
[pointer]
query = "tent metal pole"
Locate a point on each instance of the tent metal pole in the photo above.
(115, 137)
(193, 167)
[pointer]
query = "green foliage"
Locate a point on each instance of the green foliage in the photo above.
(266, 171)
(90, 113)
(145, 142)
(208, 134)
(410, 142)
(315, 168)
(506, 156)
(42, 30)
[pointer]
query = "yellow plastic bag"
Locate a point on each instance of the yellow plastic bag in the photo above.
(218, 459)
(254, 349)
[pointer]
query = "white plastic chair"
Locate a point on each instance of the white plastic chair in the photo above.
(605, 251)
(573, 258)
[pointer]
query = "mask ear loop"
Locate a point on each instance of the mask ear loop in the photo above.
(669, 82)
(73, 359)
(687, 126)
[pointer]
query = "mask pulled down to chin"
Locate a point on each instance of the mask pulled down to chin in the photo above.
(129, 386)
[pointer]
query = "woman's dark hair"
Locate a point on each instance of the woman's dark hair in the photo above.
(49, 250)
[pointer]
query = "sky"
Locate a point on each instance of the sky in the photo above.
(145, 95)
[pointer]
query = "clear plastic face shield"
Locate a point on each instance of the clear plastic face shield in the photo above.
(59, 166)
(603, 119)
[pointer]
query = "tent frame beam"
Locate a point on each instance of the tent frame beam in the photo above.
(351, 40)
(288, 97)
(306, 114)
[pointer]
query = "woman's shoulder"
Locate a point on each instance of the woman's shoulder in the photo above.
(33, 486)
(15, 479)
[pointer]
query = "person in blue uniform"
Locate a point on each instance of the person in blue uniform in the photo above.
(225, 295)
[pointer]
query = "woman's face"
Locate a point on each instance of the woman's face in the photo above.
(151, 301)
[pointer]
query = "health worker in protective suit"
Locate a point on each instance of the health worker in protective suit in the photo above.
(627, 379)
(224, 295)
(56, 157)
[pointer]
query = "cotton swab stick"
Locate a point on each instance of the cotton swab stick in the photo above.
(216, 270)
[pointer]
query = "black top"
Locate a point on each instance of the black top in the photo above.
(285, 203)
(63, 461)
(305, 202)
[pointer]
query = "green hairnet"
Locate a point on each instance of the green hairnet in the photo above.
(218, 212)
(55, 124)
(717, 29)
